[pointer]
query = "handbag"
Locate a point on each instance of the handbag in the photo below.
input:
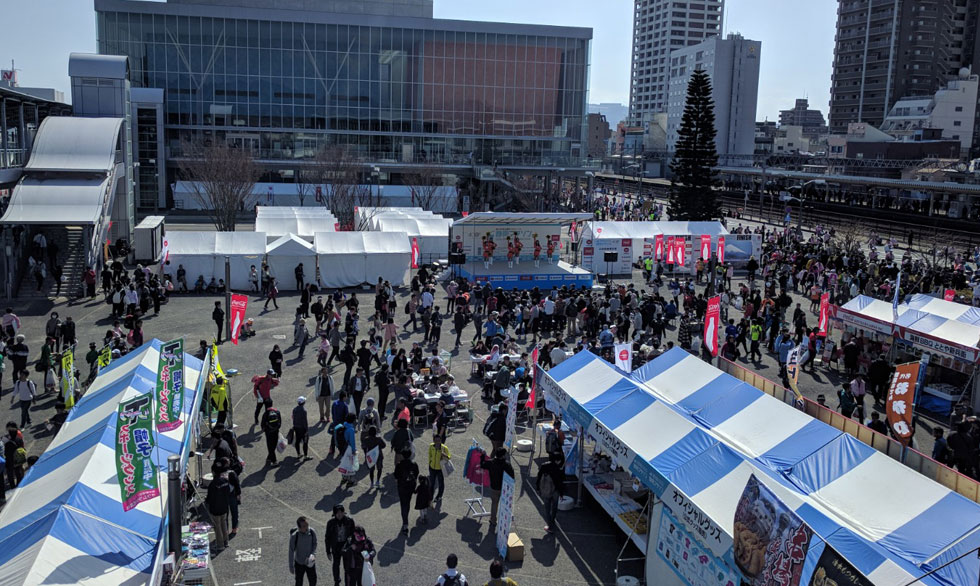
(290, 435)
(447, 466)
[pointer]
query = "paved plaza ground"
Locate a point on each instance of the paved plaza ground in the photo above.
(584, 551)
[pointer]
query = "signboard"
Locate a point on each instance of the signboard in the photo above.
(624, 357)
(683, 553)
(934, 345)
(769, 540)
(833, 570)
(511, 418)
(8, 75)
(505, 513)
(824, 315)
(712, 317)
(898, 404)
(134, 446)
(610, 444)
(239, 303)
(698, 523)
(170, 385)
(949, 294)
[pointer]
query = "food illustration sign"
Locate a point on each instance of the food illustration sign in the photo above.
(134, 446)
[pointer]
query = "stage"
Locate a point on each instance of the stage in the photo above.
(527, 276)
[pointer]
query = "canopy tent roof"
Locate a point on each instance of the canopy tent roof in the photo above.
(289, 245)
(624, 229)
(943, 308)
(189, 242)
(680, 228)
(414, 226)
(519, 218)
(327, 243)
(72, 201)
(80, 145)
(277, 221)
(710, 438)
(65, 523)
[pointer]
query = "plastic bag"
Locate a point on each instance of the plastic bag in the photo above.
(348, 464)
(371, 457)
(367, 575)
(282, 445)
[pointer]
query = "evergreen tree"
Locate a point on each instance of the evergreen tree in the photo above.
(692, 195)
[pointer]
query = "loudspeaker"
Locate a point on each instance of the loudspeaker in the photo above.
(610, 256)
(457, 258)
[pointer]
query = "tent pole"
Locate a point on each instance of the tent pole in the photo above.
(581, 464)
(228, 332)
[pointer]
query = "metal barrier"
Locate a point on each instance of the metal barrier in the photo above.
(911, 458)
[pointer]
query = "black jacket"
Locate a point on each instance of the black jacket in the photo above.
(497, 467)
(557, 474)
(330, 539)
(498, 429)
(220, 493)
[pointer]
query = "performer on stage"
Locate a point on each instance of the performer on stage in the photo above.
(518, 245)
(537, 251)
(493, 248)
(486, 253)
(510, 252)
(551, 250)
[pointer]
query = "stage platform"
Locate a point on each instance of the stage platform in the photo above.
(527, 276)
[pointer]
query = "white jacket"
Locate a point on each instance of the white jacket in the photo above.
(25, 390)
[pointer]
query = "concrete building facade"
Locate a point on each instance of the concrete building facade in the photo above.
(800, 114)
(661, 27)
(597, 136)
(732, 65)
(951, 109)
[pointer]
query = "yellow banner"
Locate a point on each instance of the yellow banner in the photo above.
(68, 377)
(105, 356)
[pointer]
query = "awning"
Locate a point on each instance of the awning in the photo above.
(518, 218)
(69, 201)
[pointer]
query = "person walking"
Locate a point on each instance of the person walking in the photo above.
(358, 551)
(338, 415)
(371, 442)
(302, 552)
(271, 424)
(219, 399)
(301, 428)
(218, 317)
(438, 453)
(262, 390)
(218, 501)
(551, 487)
(452, 576)
(272, 293)
(25, 391)
(323, 391)
(407, 475)
(15, 454)
(275, 360)
(496, 467)
(340, 528)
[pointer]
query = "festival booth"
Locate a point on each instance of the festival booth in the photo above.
(65, 523)
(489, 241)
(948, 332)
(203, 254)
(349, 259)
(285, 254)
(277, 221)
(432, 233)
(712, 434)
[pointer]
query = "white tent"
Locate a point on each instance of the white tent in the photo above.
(365, 215)
(277, 221)
(285, 254)
(347, 259)
(634, 240)
(432, 234)
(203, 254)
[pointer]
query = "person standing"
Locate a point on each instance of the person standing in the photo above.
(356, 388)
(338, 415)
(271, 424)
(496, 466)
(323, 391)
(371, 441)
(298, 271)
(438, 452)
(302, 551)
(382, 380)
(301, 428)
(407, 475)
(340, 528)
(218, 317)
(25, 391)
(262, 390)
(275, 360)
(14, 454)
(551, 487)
(219, 398)
(218, 501)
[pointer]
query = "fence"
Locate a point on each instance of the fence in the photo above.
(914, 459)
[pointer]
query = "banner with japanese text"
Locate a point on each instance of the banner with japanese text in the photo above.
(712, 318)
(770, 540)
(239, 303)
(824, 320)
(105, 356)
(898, 405)
(170, 385)
(834, 570)
(68, 377)
(793, 360)
(134, 446)
(505, 513)
(721, 249)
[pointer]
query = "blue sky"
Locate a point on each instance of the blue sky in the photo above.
(797, 40)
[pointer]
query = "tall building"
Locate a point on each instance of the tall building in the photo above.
(287, 78)
(661, 27)
(732, 65)
(801, 115)
(951, 110)
(889, 49)
(598, 136)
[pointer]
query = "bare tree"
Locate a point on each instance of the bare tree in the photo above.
(338, 170)
(427, 189)
(304, 188)
(221, 178)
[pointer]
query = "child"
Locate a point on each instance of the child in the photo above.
(423, 498)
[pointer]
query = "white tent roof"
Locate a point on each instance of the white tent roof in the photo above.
(71, 201)
(289, 245)
(277, 221)
(415, 226)
(189, 242)
(624, 229)
(680, 228)
(327, 243)
(64, 143)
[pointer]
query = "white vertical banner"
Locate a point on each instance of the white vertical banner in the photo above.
(624, 357)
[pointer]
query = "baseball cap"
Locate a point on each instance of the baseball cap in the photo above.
(301, 400)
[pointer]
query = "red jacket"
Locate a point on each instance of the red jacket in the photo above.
(262, 386)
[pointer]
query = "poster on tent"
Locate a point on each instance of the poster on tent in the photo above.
(687, 557)
(594, 253)
(135, 470)
(239, 303)
(505, 513)
(470, 238)
(740, 247)
(170, 385)
(769, 540)
(833, 570)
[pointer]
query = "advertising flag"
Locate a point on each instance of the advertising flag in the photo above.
(824, 314)
(705, 247)
(949, 294)
(68, 378)
(770, 539)
(415, 253)
(165, 251)
(712, 318)
(534, 379)
(170, 385)
(899, 404)
(658, 247)
(624, 357)
(105, 356)
(721, 249)
(898, 294)
(793, 360)
(239, 303)
(670, 250)
(681, 245)
(134, 445)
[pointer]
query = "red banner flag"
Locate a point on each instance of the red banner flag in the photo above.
(658, 247)
(705, 247)
(824, 314)
(534, 378)
(712, 317)
(721, 249)
(681, 247)
(465, 214)
(238, 305)
(949, 295)
(899, 404)
(670, 250)
(415, 253)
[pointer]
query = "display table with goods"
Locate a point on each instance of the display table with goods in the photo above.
(620, 495)
(194, 566)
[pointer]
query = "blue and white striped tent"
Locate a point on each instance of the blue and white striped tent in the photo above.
(681, 421)
(65, 523)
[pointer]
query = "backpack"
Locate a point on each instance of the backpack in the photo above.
(20, 456)
(448, 580)
(551, 443)
(548, 488)
(274, 419)
(489, 425)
